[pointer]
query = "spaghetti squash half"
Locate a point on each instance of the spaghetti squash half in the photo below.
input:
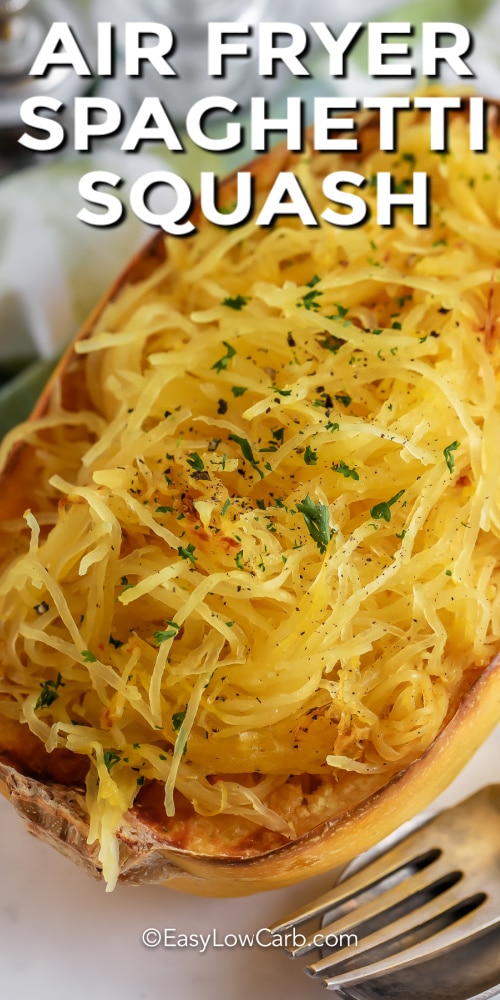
(251, 539)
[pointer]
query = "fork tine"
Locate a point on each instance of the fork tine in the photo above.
(464, 930)
(411, 851)
(418, 848)
(415, 883)
(422, 895)
(441, 906)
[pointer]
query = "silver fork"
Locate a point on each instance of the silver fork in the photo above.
(425, 899)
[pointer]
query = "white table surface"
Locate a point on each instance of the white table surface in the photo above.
(63, 938)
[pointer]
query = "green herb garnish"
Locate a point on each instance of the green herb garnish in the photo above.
(195, 462)
(310, 456)
(341, 310)
(178, 719)
(187, 553)
(317, 518)
(346, 400)
(48, 693)
(382, 511)
(169, 633)
(247, 452)
(448, 454)
(331, 343)
(237, 302)
(110, 758)
(410, 158)
(308, 300)
(223, 362)
(345, 470)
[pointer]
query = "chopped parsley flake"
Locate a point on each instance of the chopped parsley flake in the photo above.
(238, 557)
(341, 310)
(247, 452)
(317, 518)
(188, 552)
(237, 302)
(331, 343)
(110, 758)
(88, 656)
(324, 400)
(48, 693)
(410, 158)
(345, 470)
(382, 511)
(310, 456)
(346, 400)
(169, 633)
(195, 462)
(448, 454)
(238, 390)
(178, 719)
(223, 362)
(225, 506)
(308, 301)
(340, 315)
